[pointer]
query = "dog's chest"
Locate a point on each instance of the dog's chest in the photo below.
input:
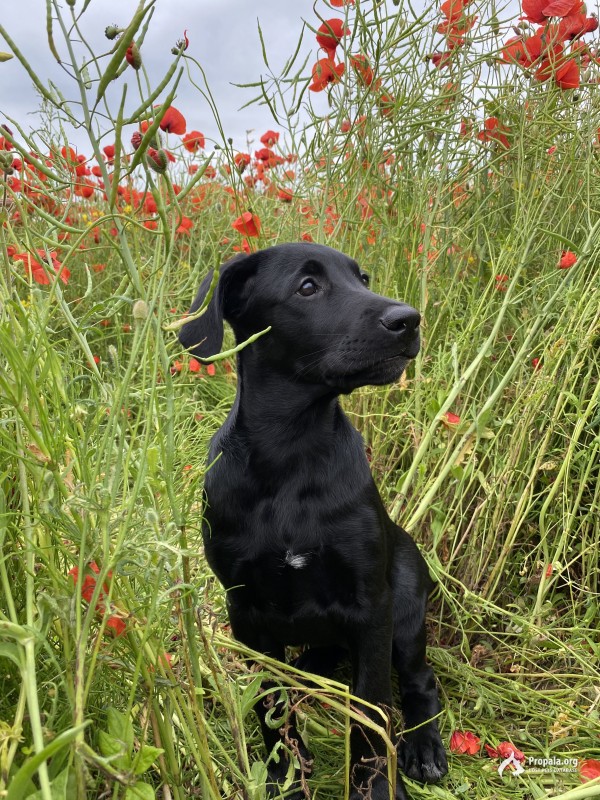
(287, 551)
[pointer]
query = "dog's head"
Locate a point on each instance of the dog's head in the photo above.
(327, 326)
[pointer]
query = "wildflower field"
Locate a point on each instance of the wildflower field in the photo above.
(459, 163)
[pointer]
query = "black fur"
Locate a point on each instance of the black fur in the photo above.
(294, 526)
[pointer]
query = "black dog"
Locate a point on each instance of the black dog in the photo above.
(294, 526)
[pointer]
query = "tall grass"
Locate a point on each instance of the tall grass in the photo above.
(119, 677)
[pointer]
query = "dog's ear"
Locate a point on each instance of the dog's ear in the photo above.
(203, 336)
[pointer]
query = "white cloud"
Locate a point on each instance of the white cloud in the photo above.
(223, 37)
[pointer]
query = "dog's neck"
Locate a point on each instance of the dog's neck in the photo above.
(276, 408)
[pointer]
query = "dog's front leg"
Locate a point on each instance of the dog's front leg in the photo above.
(370, 649)
(277, 721)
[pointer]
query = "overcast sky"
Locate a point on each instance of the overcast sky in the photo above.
(223, 36)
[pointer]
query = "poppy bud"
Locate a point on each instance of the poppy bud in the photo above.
(140, 310)
(112, 32)
(152, 517)
(6, 161)
(157, 160)
(136, 139)
(133, 57)
(114, 356)
(71, 3)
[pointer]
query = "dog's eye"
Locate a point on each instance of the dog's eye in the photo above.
(307, 288)
(364, 278)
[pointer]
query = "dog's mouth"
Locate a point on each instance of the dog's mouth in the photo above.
(380, 372)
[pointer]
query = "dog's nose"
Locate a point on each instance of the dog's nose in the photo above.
(401, 318)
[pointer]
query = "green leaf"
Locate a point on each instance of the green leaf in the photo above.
(145, 758)
(58, 788)
(140, 791)
(11, 651)
(249, 696)
(120, 727)
(109, 746)
(115, 750)
(5, 57)
(258, 778)
(19, 782)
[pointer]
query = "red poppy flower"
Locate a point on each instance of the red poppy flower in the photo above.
(360, 64)
(89, 582)
(115, 622)
(184, 226)
(150, 206)
(173, 121)
(455, 30)
(243, 248)
(330, 34)
(575, 25)
(341, 3)
(241, 161)
(514, 50)
(589, 769)
(386, 104)
(248, 224)
(453, 9)
(450, 419)
(501, 281)
(567, 76)
(270, 138)
(539, 11)
(324, 72)
(440, 60)
(465, 742)
(193, 141)
(504, 750)
(286, 195)
(494, 131)
(84, 189)
(567, 259)
(38, 272)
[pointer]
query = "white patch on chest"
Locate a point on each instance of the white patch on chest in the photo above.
(294, 560)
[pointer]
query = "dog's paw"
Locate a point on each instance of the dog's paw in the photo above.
(421, 755)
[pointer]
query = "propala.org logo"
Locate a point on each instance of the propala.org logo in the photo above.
(538, 765)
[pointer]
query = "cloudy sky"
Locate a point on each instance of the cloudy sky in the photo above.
(223, 36)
